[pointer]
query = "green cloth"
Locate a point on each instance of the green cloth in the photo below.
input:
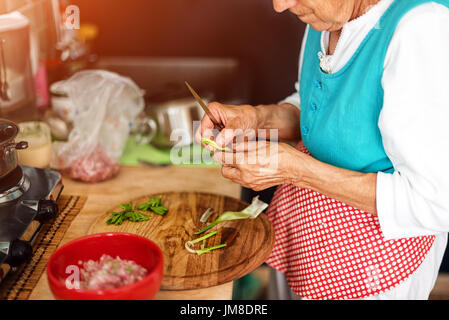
(188, 155)
(248, 287)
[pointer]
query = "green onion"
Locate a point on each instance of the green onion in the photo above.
(203, 250)
(214, 145)
(252, 212)
(203, 245)
(206, 215)
(210, 226)
(154, 205)
(127, 214)
(206, 250)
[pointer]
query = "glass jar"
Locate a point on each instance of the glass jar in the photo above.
(38, 136)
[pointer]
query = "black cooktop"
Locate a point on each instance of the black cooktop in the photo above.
(16, 216)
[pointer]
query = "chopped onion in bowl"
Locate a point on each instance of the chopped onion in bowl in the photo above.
(110, 273)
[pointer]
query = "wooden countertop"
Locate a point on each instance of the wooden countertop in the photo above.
(134, 182)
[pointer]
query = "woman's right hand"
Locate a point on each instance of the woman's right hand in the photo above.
(237, 121)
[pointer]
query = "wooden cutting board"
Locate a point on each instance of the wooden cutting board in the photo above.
(249, 241)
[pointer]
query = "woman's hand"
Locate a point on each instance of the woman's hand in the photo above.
(246, 121)
(259, 165)
(237, 120)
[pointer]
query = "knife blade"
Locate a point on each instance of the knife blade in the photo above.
(217, 125)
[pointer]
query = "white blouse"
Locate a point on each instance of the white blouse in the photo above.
(414, 123)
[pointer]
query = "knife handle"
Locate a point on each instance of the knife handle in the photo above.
(218, 126)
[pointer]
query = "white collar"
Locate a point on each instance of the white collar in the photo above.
(352, 35)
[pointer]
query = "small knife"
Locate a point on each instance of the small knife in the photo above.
(217, 125)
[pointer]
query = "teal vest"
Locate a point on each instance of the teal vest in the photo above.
(340, 111)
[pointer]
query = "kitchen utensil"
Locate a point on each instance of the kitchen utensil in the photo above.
(59, 129)
(17, 90)
(37, 135)
(4, 87)
(153, 165)
(61, 103)
(144, 129)
(217, 125)
(124, 245)
(27, 200)
(249, 242)
(175, 122)
(8, 148)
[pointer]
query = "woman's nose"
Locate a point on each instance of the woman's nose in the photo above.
(282, 5)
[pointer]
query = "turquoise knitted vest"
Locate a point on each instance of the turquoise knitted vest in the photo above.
(340, 111)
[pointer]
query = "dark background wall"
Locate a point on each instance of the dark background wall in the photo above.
(264, 41)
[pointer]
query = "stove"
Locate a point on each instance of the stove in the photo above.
(27, 200)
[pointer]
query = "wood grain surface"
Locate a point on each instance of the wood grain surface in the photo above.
(133, 182)
(249, 242)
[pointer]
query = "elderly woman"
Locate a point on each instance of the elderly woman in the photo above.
(362, 207)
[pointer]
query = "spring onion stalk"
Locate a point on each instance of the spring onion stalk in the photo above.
(206, 250)
(214, 145)
(250, 212)
(206, 215)
(203, 245)
(189, 244)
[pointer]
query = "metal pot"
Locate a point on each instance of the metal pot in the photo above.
(8, 148)
(171, 123)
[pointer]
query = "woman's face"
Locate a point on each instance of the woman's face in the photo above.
(322, 15)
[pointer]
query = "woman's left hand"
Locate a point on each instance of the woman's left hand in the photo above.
(259, 165)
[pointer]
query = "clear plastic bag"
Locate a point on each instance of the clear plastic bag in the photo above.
(105, 105)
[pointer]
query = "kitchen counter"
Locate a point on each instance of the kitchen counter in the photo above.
(139, 181)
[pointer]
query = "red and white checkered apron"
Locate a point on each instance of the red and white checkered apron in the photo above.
(329, 250)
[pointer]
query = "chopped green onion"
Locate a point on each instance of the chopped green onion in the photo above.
(214, 145)
(127, 214)
(209, 226)
(155, 205)
(203, 245)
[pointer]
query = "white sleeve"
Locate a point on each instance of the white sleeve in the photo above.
(294, 98)
(414, 124)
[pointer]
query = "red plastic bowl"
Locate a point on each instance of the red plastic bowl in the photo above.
(127, 246)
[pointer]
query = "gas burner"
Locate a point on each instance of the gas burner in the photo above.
(16, 191)
(11, 180)
(27, 200)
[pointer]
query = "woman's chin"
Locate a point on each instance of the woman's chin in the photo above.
(321, 26)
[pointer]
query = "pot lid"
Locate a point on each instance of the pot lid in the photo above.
(8, 130)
